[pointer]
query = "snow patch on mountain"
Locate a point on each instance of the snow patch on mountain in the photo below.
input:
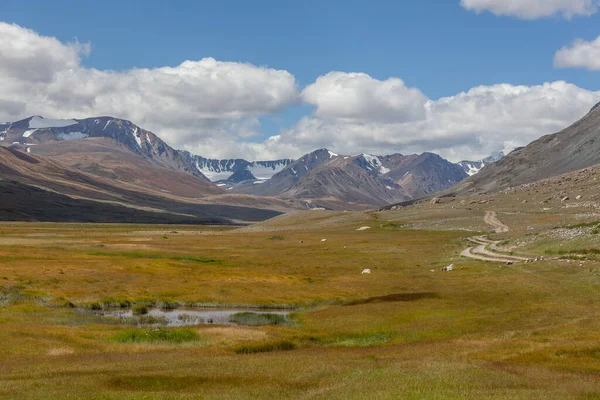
(375, 162)
(40, 122)
(136, 136)
(215, 176)
(72, 136)
(29, 132)
(473, 167)
(266, 169)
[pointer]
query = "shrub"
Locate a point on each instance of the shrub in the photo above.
(168, 305)
(256, 319)
(282, 345)
(169, 336)
(140, 310)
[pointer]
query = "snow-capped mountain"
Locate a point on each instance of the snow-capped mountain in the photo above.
(35, 131)
(109, 147)
(473, 167)
(236, 170)
(362, 178)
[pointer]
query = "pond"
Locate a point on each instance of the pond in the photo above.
(195, 316)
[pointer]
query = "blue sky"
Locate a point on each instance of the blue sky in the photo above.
(439, 47)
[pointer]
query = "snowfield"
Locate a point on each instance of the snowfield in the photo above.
(39, 122)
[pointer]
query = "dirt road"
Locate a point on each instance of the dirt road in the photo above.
(485, 249)
(491, 218)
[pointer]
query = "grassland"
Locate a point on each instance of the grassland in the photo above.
(484, 330)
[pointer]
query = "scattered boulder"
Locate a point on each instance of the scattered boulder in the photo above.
(435, 200)
(366, 271)
(566, 198)
(579, 197)
(448, 268)
(363, 228)
(323, 240)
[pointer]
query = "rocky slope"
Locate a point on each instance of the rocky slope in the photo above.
(573, 148)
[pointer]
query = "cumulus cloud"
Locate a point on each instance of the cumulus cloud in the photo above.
(194, 100)
(212, 108)
(470, 124)
(533, 9)
(580, 54)
(358, 97)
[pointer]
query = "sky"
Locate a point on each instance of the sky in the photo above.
(271, 79)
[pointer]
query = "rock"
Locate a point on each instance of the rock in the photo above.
(579, 197)
(323, 240)
(564, 199)
(509, 263)
(435, 200)
(366, 271)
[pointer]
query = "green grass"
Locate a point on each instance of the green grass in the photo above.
(258, 319)
(161, 336)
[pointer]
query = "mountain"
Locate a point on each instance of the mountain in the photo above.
(363, 178)
(120, 152)
(573, 148)
(37, 188)
(235, 170)
(473, 167)
(36, 130)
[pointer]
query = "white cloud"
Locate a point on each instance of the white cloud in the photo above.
(580, 54)
(192, 101)
(470, 124)
(533, 9)
(212, 107)
(358, 97)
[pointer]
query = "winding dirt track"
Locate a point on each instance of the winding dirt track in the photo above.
(491, 218)
(487, 250)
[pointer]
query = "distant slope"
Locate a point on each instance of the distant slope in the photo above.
(110, 159)
(573, 148)
(39, 188)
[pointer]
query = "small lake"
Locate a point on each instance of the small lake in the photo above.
(186, 316)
